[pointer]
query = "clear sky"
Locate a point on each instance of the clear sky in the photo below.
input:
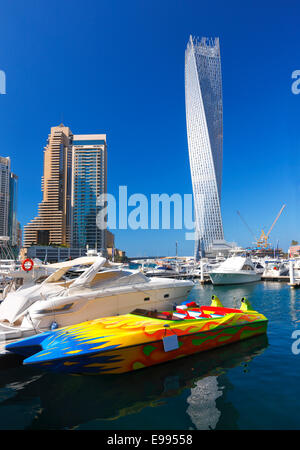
(117, 67)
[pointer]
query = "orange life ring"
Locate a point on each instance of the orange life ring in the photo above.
(25, 264)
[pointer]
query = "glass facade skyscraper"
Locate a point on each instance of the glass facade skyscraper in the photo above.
(204, 117)
(89, 181)
(4, 194)
(9, 226)
(13, 228)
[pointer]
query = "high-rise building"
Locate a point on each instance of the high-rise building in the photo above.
(74, 176)
(204, 117)
(19, 234)
(89, 168)
(13, 228)
(8, 206)
(4, 194)
(52, 225)
(110, 239)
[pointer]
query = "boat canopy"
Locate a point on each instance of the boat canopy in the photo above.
(83, 261)
(236, 263)
(86, 275)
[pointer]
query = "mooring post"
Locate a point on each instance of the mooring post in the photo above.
(291, 269)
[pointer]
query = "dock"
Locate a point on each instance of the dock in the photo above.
(280, 278)
(295, 285)
(206, 279)
(294, 282)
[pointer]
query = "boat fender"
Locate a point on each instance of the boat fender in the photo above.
(245, 304)
(54, 325)
(215, 301)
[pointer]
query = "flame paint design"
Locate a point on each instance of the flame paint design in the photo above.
(130, 342)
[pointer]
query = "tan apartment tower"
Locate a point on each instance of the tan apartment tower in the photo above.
(52, 225)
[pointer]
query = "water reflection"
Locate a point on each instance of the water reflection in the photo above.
(65, 401)
(274, 285)
(294, 306)
(202, 408)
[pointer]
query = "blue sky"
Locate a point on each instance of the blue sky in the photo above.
(117, 67)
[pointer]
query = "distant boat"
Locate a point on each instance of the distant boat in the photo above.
(259, 266)
(235, 270)
(275, 269)
(164, 270)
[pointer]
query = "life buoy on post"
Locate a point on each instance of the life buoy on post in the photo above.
(27, 264)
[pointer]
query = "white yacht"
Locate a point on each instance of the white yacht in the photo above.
(259, 265)
(161, 270)
(275, 269)
(98, 291)
(235, 270)
(207, 267)
(6, 267)
(17, 278)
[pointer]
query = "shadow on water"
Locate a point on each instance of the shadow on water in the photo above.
(64, 401)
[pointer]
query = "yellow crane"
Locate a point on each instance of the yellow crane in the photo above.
(262, 242)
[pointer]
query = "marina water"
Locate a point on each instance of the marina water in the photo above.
(253, 384)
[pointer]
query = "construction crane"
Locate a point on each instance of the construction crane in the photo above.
(247, 225)
(262, 242)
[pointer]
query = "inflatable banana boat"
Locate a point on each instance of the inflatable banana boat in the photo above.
(141, 339)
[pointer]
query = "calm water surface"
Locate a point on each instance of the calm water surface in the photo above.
(250, 385)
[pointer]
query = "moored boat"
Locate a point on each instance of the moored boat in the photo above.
(235, 270)
(143, 338)
(275, 269)
(99, 290)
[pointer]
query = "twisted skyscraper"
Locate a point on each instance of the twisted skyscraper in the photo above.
(204, 116)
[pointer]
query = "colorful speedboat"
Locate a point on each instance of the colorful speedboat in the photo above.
(143, 338)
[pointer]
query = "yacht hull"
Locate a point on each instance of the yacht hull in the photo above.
(82, 308)
(233, 278)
